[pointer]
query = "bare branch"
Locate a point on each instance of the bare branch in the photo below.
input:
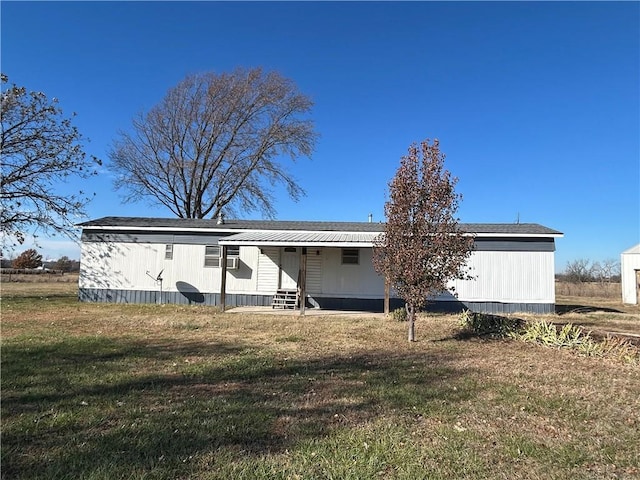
(40, 150)
(215, 142)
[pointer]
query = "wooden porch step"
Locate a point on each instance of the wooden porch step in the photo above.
(286, 299)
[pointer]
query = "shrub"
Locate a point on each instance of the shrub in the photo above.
(399, 314)
(547, 333)
(575, 338)
(487, 324)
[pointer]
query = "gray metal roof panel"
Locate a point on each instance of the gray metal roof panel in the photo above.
(231, 224)
(300, 238)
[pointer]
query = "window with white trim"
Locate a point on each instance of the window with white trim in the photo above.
(212, 256)
(350, 256)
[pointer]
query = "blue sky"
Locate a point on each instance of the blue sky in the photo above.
(536, 105)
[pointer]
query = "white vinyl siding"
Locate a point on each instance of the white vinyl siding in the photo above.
(268, 270)
(500, 276)
(126, 266)
(188, 267)
(350, 281)
(314, 270)
(629, 263)
(509, 277)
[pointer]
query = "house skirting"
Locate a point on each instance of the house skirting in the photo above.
(445, 306)
(327, 303)
(102, 295)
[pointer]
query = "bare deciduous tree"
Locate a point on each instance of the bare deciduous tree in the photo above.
(422, 247)
(214, 142)
(578, 271)
(607, 270)
(583, 270)
(40, 149)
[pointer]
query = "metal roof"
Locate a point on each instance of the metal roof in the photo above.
(230, 224)
(302, 239)
(256, 226)
(633, 250)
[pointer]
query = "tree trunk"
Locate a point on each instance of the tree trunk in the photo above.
(411, 317)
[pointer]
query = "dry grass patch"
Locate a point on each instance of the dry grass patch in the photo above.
(611, 291)
(147, 391)
(595, 303)
(601, 319)
(8, 280)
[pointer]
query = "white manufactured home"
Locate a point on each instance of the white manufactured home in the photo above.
(630, 275)
(328, 264)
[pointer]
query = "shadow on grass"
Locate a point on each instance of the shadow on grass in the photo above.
(564, 309)
(95, 407)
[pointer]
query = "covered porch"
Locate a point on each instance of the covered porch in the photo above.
(311, 267)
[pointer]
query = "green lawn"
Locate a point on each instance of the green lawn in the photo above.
(167, 392)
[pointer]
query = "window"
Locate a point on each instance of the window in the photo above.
(212, 256)
(168, 251)
(350, 256)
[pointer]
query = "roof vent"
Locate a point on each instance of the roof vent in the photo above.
(370, 217)
(220, 219)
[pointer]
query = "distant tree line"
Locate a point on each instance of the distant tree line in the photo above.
(30, 260)
(583, 270)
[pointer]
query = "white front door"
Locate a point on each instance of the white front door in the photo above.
(289, 267)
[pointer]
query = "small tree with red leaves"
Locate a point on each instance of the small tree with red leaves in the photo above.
(422, 247)
(28, 259)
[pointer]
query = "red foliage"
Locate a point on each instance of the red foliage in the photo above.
(422, 248)
(28, 259)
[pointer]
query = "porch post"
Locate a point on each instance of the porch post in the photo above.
(386, 296)
(303, 280)
(223, 279)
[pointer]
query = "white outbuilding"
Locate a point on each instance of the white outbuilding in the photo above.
(309, 264)
(630, 272)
